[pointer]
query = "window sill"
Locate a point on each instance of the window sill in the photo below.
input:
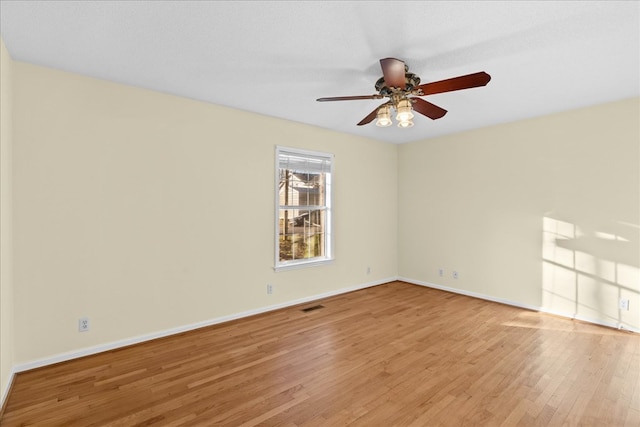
(303, 264)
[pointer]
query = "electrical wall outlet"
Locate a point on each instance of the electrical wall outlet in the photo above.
(455, 275)
(269, 288)
(441, 272)
(623, 304)
(83, 324)
(368, 270)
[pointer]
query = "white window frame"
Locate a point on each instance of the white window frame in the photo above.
(328, 207)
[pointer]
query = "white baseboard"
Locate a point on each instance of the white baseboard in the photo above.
(520, 305)
(147, 337)
(5, 392)
(63, 357)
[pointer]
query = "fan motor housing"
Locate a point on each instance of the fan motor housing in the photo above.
(410, 79)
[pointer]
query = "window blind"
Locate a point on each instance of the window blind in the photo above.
(313, 163)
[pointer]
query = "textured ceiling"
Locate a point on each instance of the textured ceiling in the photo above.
(276, 58)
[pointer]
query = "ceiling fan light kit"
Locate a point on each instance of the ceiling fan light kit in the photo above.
(384, 116)
(404, 115)
(402, 88)
(405, 124)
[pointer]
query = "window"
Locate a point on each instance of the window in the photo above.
(303, 208)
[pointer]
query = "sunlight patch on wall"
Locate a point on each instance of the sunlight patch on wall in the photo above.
(585, 273)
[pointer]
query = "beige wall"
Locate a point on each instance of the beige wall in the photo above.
(542, 212)
(147, 212)
(6, 265)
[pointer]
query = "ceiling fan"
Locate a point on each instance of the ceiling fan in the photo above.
(402, 87)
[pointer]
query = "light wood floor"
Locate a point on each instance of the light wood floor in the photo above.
(392, 355)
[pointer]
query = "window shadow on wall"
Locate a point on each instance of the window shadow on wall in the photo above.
(586, 271)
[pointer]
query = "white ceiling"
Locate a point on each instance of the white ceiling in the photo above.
(276, 58)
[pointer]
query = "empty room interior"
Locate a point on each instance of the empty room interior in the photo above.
(189, 237)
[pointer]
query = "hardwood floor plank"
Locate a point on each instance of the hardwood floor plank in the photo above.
(391, 355)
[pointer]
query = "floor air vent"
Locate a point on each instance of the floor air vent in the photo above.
(315, 307)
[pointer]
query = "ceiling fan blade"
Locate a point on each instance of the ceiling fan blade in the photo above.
(427, 109)
(372, 115)
(456, 83)
(393, 71)
(349, 98)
